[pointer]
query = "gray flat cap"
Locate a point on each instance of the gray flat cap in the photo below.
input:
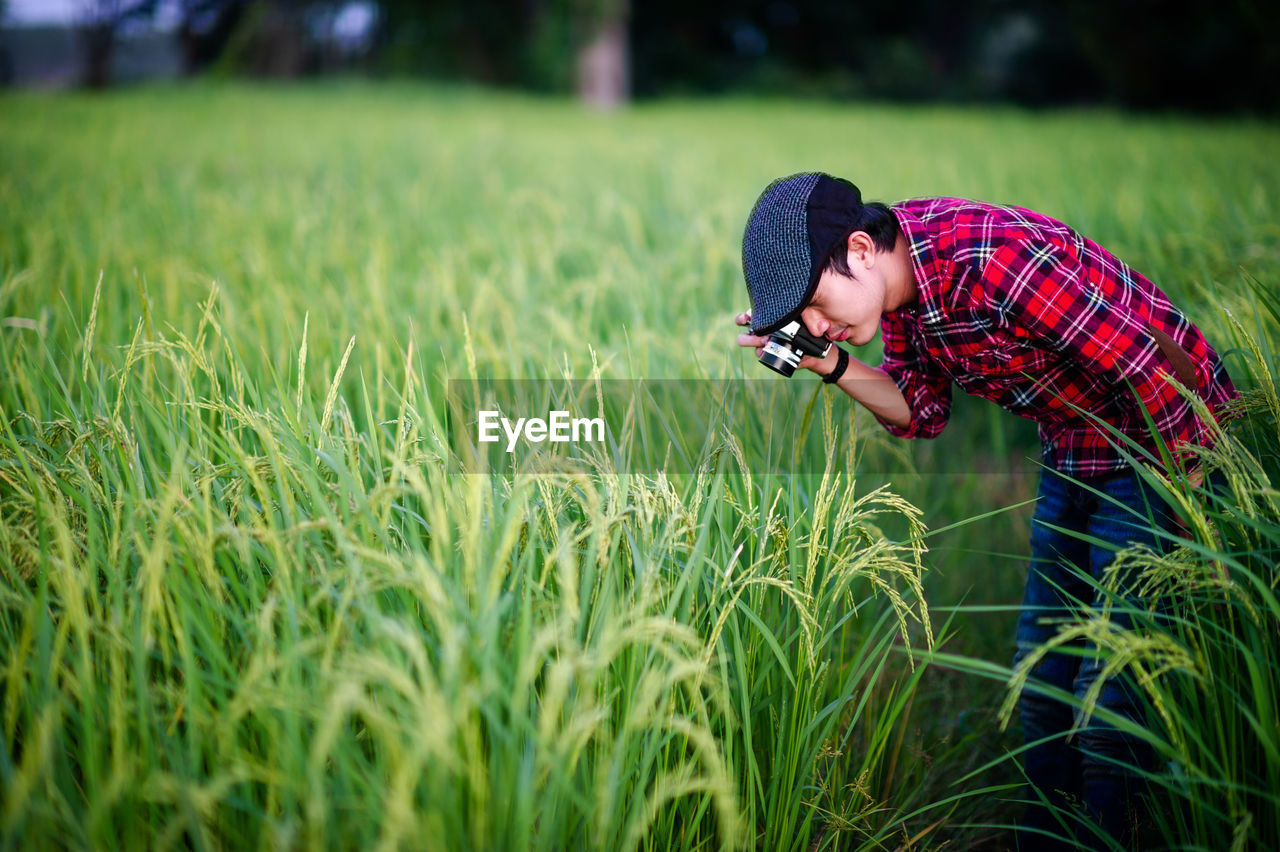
(792, 228)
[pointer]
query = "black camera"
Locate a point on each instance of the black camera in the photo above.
(787, 345)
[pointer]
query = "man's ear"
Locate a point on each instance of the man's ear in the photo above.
(862, 249)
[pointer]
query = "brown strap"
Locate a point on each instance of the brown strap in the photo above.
(1177, 356)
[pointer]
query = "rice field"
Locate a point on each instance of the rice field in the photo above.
(247, 599)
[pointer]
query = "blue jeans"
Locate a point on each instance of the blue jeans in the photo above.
(1081, 771)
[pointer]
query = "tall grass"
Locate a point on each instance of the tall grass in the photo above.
(245, 602)
(238, 615)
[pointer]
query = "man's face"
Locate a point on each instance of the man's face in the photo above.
(847, 308)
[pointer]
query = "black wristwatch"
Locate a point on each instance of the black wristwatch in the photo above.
(842, 364)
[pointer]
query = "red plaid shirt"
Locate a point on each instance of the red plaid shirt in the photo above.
(1019, 309)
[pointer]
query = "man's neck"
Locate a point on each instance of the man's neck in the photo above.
(900, 277)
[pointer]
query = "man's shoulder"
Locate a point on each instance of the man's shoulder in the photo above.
(948, 213)
(967, 232)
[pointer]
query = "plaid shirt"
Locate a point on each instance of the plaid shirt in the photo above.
(1019, 309)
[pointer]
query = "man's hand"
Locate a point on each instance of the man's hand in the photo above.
(1195, 478)
(821, 366)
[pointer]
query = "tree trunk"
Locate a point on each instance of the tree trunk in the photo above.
(604, 62)
(98, 39)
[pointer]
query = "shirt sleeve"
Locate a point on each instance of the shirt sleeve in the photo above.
(1045, 289)
(925, 387)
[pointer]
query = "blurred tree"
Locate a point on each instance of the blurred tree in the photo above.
(272, 40)
(484, 40)
(874, 47)
(603, 55)
(99, 22)
(276, 38)
(554, 45)
(1164, 53)
(6, 61)
(1142, 53)
(205, 28)
(1035, 57)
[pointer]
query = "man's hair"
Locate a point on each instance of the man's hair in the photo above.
(879, 223)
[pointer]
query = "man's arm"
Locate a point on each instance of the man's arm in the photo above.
(924, 386)
(870, 386)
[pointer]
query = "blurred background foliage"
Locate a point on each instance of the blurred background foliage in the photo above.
(1144, 54)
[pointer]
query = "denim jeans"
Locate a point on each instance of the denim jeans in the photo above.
(1080, 771)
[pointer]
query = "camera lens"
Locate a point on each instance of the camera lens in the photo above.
(780, 357)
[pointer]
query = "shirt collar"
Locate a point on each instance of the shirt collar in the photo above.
(924, 264)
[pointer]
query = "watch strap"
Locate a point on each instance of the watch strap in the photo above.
(842, 364)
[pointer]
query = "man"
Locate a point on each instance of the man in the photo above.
(1018, 308)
